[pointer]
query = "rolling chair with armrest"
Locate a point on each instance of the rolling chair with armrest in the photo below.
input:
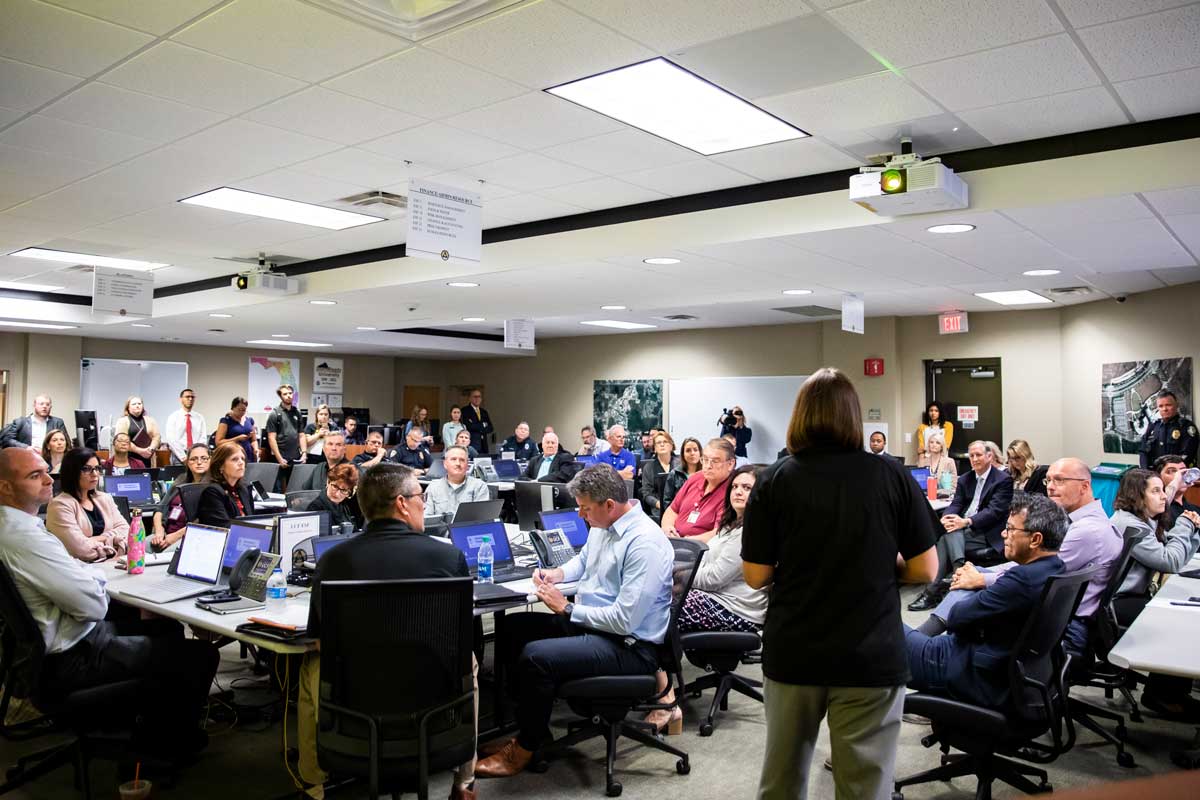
(397, 697)
(299, 501)
(301, 476)
(606, 700)
(264, 472)
(86, 713)
(1037, 706)
(719, 653)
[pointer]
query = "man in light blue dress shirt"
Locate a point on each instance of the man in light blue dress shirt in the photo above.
(619, 618)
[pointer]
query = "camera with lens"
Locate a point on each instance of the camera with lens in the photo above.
(727, 418)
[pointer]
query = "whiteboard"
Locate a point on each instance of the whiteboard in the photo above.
(694, 405)
(106, 383)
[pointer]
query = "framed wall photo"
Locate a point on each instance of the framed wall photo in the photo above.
(1128, 393)
(636, 404)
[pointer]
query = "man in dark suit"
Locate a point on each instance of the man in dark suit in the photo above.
(549, 464)
(970, 661)
(878, 445)
(478, 423)
(973, 522)
(31, 431)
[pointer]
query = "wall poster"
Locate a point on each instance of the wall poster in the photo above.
(636, 404)
(1128, 391)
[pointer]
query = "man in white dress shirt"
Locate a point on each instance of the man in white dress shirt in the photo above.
(185, 428)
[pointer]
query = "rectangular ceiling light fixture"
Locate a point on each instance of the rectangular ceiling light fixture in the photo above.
(619, 324)
(30, 287)
(1017, 297)
(263, 205)
(85, 258)
(287, 343)
(666, 100)
(40, 325)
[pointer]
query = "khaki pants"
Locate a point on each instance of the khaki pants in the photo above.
(306, 725)
(864, 726)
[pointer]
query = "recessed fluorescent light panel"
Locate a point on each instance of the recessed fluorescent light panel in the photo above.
(140, 325)
(666, 100)
(288, 343)
(474, 319)
(660, 261)
(263, 205)
(90, 260)
(612, 308)
(29, 287)
(797, 291)
(365, 328)
(222, 316)
(619, 324)
(322, 302)
(1041, 273)
(952, 228)
(462, 284)
(1017, 297)
(41, 325)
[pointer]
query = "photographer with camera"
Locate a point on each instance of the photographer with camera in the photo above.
(733, 421)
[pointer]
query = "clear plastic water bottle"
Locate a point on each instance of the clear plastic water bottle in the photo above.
(486, 557)
(1191, 476)
(276, 591)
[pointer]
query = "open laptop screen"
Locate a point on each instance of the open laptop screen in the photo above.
(201, 553)
(571, 524)
(507, 469)
(243, 537)
(468, 539)
(135, 486)
(920, 475)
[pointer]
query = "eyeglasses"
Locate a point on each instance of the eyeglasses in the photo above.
(340, 489)
(712, 462)
(90, 470)
(1010, 529)
(1058, 480)
(412, 496)
(198, 459)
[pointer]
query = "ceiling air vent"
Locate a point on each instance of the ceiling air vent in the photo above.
(84, 269)
(812, 312)
(414, 19)
(1070, 291)
(677, 318)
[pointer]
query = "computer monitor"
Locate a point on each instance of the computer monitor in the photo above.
(531, 499)
(171, 472)
(326, 543)
(507, 469)
(920, 475)
(86, 433)
(469, 538)
(292, 529)
(574, 526)
(243, 537)
(136, 486)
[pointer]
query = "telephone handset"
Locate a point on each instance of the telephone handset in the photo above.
(251, 573)
(485, 471)
(552, 546)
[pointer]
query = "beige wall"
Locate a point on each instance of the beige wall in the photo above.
(13, 348)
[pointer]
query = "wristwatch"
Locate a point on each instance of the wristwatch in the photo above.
(568, 609)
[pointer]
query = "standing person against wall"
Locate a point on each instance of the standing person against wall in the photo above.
(477, 421)
(283, 434)
(824, 526)
(312, 439)
(142, 429)
(932, 421)
(238, 428)
(185, 427)
(735, 423)
(450, 429)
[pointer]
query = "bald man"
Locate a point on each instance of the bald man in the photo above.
(550, 464)
(68, 602)
(1091, 541)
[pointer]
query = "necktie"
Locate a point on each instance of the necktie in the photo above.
(188, 429)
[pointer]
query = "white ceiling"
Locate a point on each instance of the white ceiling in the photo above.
(110, 112)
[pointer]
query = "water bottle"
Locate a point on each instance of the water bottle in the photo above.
(486, 557)
(277, 591)
(135, 545)
(1190, 476)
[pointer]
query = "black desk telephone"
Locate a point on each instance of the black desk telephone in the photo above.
(552, 546)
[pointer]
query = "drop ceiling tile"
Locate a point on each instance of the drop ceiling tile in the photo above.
(1060, 216)
(624, 150)
(109, 108)
(1171, 202)
(1170, 95)
(463, 179)
(1187, 228)
(426, 83)
(194, 77)
(1121, 246)
(1147, 45)
(1176, 277)
(50, 135)
(439, 147)
(877, 99)
(533, 121)
(825, 5)
(908, 32)
(601, 193)
(688, 178)
(152, 16)
(63, 40)
(1126, 282)
(24, 87)
(38, 164)
(530, 207)
(80, 206)
(7, 115)
(248, 148)
(1085, 109)
(668, 25)
(530, 172)
(798, 157)
(326, 114)
(797, 54)
(1016, 72)
(303, 41)
(362, 167)
(1007, 254)
(493, 220)
(300, 186)
(1082, 13)
(167, 174)
(569, 45)
(19, 188)
(169, 221)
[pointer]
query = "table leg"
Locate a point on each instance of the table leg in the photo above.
(1190, 758)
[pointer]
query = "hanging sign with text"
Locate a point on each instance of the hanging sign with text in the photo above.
(518, 334)
(120, 292)
(445, 223)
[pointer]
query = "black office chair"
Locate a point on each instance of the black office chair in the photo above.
(1037, 707)
(1094, 670)
(397, 687)
(264, 472)
(84, 713)
(299, 501)
(123, 507)
(719, 653)
(605, 701)
(302, 476)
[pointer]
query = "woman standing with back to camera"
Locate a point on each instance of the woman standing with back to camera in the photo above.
(834, 528)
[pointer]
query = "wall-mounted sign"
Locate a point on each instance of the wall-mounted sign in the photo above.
(873, 367)
(853, 313)
(952, 322)
(518, 334)
(968, 414)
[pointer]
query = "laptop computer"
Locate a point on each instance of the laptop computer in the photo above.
(170, 472)
(920, 475)
(137, 487)
(469, 538)
(507, 469)
(531, 498)
(323, 545)
(437, 469)
(569, 522)
(196, 569)
(478, 511)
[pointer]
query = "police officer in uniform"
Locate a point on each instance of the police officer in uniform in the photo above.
(1171, 434)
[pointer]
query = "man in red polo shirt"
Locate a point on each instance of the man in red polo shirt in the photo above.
(700, 502)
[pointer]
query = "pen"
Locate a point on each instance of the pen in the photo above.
(1181, 603)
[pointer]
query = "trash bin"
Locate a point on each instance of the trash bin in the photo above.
(1106, 479)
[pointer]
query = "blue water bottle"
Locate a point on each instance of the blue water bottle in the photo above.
(486, 557)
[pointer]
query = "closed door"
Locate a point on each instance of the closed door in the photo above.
(972, 383)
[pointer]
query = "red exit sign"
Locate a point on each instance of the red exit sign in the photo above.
(952, 322)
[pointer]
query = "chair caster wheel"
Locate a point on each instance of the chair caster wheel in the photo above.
(1125, 759)
(897, 795)
(539, 766)
(683, 767)
(614, 789)
(706, 729)
(695, 694)
(1045, 788)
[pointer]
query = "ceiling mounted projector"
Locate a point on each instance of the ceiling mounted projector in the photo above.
(908, 184)
(264, 281)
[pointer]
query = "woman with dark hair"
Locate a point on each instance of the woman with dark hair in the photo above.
(833, 529)
(54, 447)
(227, 496)
(690, 455)
(336, 497)
(450, 429)
(654, 475)
(1139, 506)
(236, 427)
(1026, 474)
(86, 520)
(119, 461)
(170, 521)
(932, 420)
(420, 419)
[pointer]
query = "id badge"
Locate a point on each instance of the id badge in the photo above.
(694, 517)
(176, 513)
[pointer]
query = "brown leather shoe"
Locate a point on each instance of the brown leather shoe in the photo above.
(511, 759)
(459, 793)
(495, 746)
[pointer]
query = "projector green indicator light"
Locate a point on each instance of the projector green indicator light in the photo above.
(892, 181)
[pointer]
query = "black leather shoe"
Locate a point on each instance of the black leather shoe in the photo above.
(925, 602)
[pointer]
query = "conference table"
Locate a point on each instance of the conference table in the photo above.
(1165, 638)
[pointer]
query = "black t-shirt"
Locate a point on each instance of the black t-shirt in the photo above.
(831, 521)
(285, 424)
(385, 550)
